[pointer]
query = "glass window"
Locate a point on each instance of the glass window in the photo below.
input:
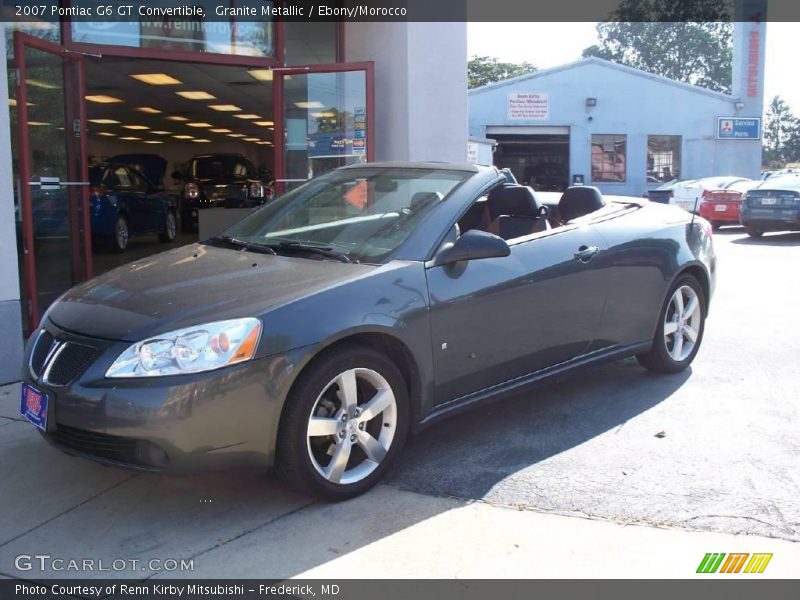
(609, 157)
(310, 43)
(663, 158)
(213, 34)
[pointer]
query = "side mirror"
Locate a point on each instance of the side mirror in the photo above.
(177, 175)
(473, 245)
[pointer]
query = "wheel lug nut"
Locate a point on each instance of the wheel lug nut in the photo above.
(361, 426)
(344, 417)
(341, 433)
(353, 438)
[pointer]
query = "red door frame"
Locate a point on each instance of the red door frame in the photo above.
(278, 111)
(21, 42)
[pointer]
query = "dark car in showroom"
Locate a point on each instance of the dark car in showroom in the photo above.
(319, 331)
(220, 180)
(774, 205)
(125, 204)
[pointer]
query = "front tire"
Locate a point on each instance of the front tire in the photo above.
(680, 328)
(343, 424)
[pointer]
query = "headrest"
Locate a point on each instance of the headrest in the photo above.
(512, 200)
(579, 200)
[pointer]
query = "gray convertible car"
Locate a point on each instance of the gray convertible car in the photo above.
(316, 334)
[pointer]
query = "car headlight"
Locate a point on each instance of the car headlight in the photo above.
(190, 350)
(191, 190)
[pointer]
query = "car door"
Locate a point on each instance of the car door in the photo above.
(496, 319)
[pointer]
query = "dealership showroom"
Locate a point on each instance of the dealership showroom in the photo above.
(150, 108)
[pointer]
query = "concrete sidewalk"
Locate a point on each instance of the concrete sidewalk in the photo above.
(249, 525)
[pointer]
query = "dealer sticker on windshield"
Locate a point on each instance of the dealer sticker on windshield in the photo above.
(33, 406)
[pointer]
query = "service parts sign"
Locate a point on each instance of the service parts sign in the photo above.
(528, 106)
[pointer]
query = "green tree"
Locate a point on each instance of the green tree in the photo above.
(485, 69)
(685, 40)
(781, 134)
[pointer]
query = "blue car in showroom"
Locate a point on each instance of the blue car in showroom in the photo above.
(125, 204)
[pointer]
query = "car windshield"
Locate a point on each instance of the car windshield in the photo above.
(783, 182)
(362, 214)
(217, 167)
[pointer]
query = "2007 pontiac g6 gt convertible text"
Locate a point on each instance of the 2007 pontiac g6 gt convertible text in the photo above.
(322, 329)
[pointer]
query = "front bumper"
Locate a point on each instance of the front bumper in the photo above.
(219, 419)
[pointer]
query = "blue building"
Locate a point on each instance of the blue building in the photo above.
(622, 129)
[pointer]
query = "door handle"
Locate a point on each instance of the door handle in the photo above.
(585, 253)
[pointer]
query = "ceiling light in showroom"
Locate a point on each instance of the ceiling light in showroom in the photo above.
(224, 107)
(101, 99)
(131, 139)
(261, 74)
(176, 118)
(104, 121)
(197, 95)
(148, 110)
(200, 125)
(247, 116)
(139, 127)
(220, 130)
(156, 79)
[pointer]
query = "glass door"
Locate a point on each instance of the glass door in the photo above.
(52, 186)
(324, 120)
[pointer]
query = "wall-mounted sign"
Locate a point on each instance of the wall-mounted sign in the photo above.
(736, 128)
(472, 153)
(528, 106)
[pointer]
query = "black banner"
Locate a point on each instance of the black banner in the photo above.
(107, 11)
(254, 589)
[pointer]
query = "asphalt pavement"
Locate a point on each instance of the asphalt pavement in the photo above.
(613, 473)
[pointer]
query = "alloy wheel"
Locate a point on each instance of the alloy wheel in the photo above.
(172, 225)
(351, 426)
(682, 323)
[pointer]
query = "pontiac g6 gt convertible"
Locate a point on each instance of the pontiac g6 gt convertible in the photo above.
(318, 332)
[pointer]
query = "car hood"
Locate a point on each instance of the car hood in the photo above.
(190, 285)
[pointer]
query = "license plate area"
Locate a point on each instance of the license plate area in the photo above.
(720, 208)
(34, 405)
(766, 201)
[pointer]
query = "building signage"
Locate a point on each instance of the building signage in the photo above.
(360, 127)
(472, 153)
(735, 128)
(528, 106)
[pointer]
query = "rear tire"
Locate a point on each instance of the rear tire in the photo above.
(753, 233)
(170, 227)
(343, 424)
(121, 234)
(679, 334)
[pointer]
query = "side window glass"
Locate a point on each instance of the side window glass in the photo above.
(122, 178)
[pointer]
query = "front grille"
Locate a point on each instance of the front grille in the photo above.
(69, 363)
(40, 351)
(124, 450)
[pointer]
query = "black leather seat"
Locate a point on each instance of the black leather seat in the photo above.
(579, 200)
(515, 212)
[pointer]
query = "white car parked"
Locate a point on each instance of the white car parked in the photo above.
(690, 195)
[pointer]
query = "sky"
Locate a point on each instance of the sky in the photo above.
(551, 44)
